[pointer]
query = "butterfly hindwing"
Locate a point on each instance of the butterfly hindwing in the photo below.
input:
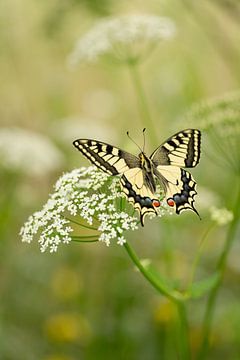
(180, 187)
(182, 149)
(108, 158)
(134, 187)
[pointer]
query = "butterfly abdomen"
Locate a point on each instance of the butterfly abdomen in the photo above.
(150, 182)
(148, 172)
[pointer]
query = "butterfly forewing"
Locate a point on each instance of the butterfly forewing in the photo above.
(182, 149)
(108, 158)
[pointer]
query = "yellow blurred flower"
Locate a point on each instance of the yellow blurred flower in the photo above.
(68, 327)
(66, 283)
(195, 337)
(57, 357)
(164, 312)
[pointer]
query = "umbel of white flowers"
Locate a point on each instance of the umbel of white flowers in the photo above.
(124, 38)
(87, 203)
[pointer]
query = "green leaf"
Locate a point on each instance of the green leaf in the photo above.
(200, 288)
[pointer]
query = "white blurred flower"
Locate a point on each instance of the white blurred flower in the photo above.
(221, 216)
(28, 152)
(119, 36)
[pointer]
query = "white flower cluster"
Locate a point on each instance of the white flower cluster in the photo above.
(28, 152)
(85, 193)
(117, 35)
(113, 225)
(221, 216)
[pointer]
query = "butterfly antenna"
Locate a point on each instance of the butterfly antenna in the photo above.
(144, 139)
(133, 141)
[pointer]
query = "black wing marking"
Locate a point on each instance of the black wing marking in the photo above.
(107, 157)
(182, 149)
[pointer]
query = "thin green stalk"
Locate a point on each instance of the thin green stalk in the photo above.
(83, 241)
(198, 255)
(175, 298)
(183, 331)
(142, 101)
(84, 237)
(78, 223)
(221, 267)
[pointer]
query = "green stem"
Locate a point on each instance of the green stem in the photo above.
(174, 297)
(142, 101)
(221, 267)
(183, 331)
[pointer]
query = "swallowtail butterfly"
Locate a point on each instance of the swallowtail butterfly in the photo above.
(139, 175)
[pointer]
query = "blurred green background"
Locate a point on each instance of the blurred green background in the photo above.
(86, 301)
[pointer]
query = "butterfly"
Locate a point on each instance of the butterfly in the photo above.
(140, 175)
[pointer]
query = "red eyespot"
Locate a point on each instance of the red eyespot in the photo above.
(171, 202)
(156, 203)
